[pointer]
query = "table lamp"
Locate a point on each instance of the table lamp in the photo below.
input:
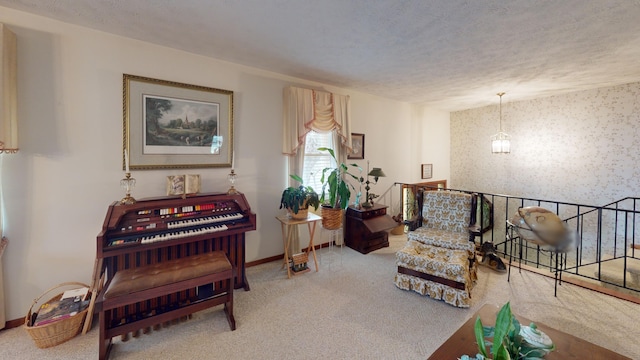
(376, 173)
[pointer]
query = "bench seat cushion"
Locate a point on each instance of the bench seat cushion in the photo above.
(443, 238)
(438, 263)
(156, 275)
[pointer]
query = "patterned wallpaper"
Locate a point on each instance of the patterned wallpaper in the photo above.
(581, 147)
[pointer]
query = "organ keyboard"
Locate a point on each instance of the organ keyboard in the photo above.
(156, 230)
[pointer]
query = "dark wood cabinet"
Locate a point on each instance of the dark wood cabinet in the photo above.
(366, 228)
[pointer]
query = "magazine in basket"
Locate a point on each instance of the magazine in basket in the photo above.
(60, 309)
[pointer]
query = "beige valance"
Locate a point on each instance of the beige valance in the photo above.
(305, 110)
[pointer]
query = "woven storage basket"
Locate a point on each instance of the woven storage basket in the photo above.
(56, 332)
(331, 218)
(398, 230)
(301, 215)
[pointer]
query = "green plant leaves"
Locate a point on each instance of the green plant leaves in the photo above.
(301, 197)
(479, 331)
(503, 325)
(335, 188)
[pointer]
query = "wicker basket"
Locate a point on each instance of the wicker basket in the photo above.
(57, 332)
(331, 218)
(301, 215)
(398, 230)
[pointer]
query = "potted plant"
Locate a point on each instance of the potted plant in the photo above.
(508, 340)
(298, 199)
(335, 191)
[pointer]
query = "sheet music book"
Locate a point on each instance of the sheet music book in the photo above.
(80, 293)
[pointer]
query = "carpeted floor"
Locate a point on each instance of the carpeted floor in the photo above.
(351, 309)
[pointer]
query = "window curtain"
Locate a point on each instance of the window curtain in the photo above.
(305, 110)
(3, 245)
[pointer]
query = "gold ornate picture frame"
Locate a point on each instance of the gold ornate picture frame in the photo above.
(171, 125)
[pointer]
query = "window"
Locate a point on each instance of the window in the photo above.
(314, 160)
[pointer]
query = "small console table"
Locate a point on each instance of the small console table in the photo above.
(287, 224)
(366, 228)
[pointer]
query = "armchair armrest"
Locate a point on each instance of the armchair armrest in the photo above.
(414, 223)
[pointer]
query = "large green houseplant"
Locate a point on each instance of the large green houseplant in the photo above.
(336, 192)
(297, 199)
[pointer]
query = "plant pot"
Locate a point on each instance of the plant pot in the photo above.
(301, 215)
(331, 218)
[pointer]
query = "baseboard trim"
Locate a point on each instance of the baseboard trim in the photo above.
(10, 324)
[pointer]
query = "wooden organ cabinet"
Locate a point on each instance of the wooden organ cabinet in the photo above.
(366, 228)
(153, 231)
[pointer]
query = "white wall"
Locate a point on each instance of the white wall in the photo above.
(435, 144)
(58, 187)
(580, 147)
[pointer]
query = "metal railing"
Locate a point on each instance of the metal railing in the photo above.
(606, 250)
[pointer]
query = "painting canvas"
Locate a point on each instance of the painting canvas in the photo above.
(176, 126)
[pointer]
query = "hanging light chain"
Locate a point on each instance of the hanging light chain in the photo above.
(500, 94)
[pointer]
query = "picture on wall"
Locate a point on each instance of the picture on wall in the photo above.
(357, 142)
(170, 125)
(427, 171)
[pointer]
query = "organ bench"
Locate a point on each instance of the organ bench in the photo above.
(131, 286)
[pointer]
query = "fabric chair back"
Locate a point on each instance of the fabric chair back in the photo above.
(447, 210)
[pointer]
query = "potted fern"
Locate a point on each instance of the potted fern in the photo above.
(335, 191)
(297, 199)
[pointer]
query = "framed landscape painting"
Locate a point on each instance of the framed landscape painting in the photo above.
(171, 125)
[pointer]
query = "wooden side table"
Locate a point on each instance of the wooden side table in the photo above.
(287, 224)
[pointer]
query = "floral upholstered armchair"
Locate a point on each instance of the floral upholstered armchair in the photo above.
(438, 259)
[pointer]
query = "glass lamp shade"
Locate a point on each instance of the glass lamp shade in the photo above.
(501, 143)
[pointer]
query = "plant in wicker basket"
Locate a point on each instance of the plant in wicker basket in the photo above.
(335, 191)
(298, 199)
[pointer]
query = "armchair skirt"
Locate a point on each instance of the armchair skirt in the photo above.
(441, 273)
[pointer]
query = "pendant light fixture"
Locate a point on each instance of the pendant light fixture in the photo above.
(501, 142)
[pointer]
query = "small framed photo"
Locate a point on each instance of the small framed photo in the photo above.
(427, 171)
(357, 142)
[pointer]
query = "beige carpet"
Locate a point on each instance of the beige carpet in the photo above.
(351, 309)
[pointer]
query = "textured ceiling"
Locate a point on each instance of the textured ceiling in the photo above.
(448, 54)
